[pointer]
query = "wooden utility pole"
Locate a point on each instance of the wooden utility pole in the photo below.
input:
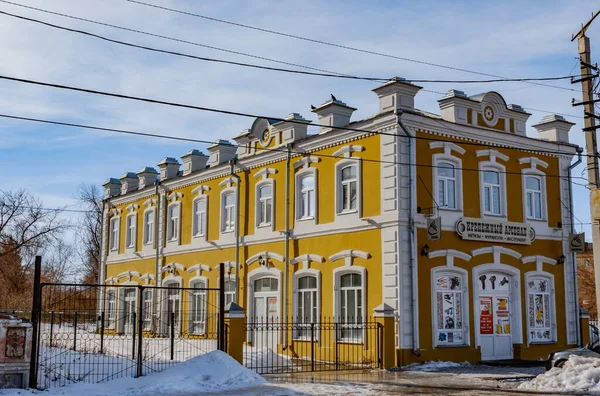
(587, 87)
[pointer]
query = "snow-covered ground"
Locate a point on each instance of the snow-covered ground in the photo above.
(579, 374)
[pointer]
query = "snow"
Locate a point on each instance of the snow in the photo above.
(212, 372)
(578, 374)
(433, 366)
(265, 360)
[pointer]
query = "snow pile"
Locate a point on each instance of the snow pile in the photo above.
(433, 366)
(265, 360)
(213, 372)
(578, 374)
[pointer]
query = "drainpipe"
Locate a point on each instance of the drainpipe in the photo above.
(157, 262)
(102, 263)
(574, 255)
(411, 240)
(237, 227)
(287, 241)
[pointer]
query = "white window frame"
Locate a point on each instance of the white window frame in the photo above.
(174, 233)
(458, 187)
(224, 193)
(260, 202)
(464, 291)
(296, 304)
(552, 305)
(165, 321)
(229, 294)
(110, 319)
(148, 227)
(495, 167)
(131, 231)
(115, 231)
(337, 275)
(204, 314)
(543, 198)
(148, 307)
(299, 194)
(339, 189)
(199, 224)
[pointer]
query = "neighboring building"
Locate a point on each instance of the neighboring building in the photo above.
(585, 280)
(499, 284)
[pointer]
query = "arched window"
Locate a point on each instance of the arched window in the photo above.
(540, 306)
(173, 221)
(533, 197)
(265, 204)
(446, 179)
(114, 233)
(306, 304)
(492, 192)
(148, 309)
(349, 192)
(197, 307)
(265, 285)
(130, 231)
(149, 227)
(228, 212)
(306, 197)
(351, 306)
(449, 306)
(229, 291)
(111, 308)
(199, 219)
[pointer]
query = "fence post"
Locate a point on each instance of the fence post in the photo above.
(75, 331)
(584, 320)
(312, 347)
(384, 316)
(140, 330)
(51, 326)
(35, 316)
(102, 332)
(335, 340)
(236, 320)
(133, 338)
(172, 320)
(221, 318)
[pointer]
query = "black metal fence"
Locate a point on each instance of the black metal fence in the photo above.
(594, 330)
(95, 333)
(278, 347)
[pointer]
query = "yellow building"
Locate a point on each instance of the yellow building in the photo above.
(337, 224)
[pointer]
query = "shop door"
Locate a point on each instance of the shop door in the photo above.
(495, 317)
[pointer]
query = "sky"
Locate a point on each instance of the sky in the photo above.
(511, 38)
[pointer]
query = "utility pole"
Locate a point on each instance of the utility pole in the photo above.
(587, 86)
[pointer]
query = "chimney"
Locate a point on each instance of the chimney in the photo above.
(193, 161)
(555, 128)
(112, 187)
(221, 152)
(333, 113)
(397, 93)
(147, 177)
(169, 167)
(129, 182)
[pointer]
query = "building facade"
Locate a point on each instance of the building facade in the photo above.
(458, 222)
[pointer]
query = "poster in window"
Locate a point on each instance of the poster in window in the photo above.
(502, 317)
(440, 310)
(485, 316)
(272, 306)
(442, 282)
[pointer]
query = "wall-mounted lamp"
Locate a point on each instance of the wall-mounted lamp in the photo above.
(561, 259)
(425, 250)
(262, 261)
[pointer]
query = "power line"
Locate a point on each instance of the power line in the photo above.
(332, 44)
(379, 79)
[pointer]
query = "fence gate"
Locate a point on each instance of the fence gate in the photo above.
(323, 346)
(95, 333)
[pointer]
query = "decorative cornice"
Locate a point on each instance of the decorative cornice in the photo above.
(493, 154)
(265, 172)
(306, 161)
(348, 255)
(534, 162)
(266, 256)
(347, 151)
(448, 147)
(174, 196)
(132, 207)
(200, 189)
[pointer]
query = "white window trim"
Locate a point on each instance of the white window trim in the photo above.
(457, 163)
(230, 190)
(201, 236)
(542, 176)
(144, 236)
(120, 322)
(169, 279)
(257, 225)
(298, 196)
(338, 190)
(548, 276)
(190, 283)
(337, 274)
(435, 271)
(133, 245)
(496, 167)
(151, 291)
(115, 239)
(254, 275)
(171, 240)
(112, 325)
(295, 277)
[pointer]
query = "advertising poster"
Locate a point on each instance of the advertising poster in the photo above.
(485, 316)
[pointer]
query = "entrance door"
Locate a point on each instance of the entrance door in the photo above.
(495, 317)
(129, 310)
(266, 313)
(172, 307)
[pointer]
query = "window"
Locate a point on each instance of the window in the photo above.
(446, 179)
(229, 291)
(199, 220)
(173, 222)
(148, 227)
(306, 197)
(228, 212)
(198, 307)
(491, 192)
(170, 309)
(114, 233)
(265, 204)
(533, 197)
(448, 301)
(307, 305)
(266, 285)
(130, 231)
(147, 307)
(111, 309)
(539, 316)
(349, 194)
(351, 306)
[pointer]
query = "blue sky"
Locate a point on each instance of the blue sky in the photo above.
(510, 38)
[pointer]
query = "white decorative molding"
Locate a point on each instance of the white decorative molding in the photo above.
(538, 260)
(306, 161)
(198, 268)
(128, 275)
(496, 251)
(305, 259)
(348, 255)
(115, 211)
(534, 162)
(132, 207)
(265, 172)
(149, 202)
(200, 190)
(227, 182)
(450, 254)
(347, 151)
(448, 147)
(147, 278)
(266, 256)
(493, 154)
(171, 267)
(174, 196)
(111, 281)
(228, 266)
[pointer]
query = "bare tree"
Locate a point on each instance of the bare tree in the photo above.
(90, 231)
